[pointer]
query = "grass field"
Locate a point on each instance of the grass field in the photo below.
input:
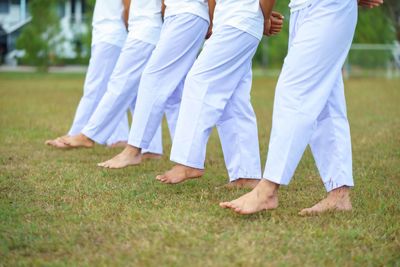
(58, 209)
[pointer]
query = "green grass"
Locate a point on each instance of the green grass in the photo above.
(58, 209)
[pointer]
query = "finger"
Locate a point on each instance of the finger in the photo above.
(364, 3)
(276, 18)
(276, 22)
(373, 3)
(274, 31)
(276, 14)
(370, 3)
(276, 28)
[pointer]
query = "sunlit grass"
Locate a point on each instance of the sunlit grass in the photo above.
(58, 209)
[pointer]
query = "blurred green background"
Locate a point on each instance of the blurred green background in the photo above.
(39, 37)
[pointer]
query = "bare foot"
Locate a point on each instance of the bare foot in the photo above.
(57, 143)
(179, 173)
(263, 197)
(121, 144)
(242, 183)
(78, 141)
(149, 155)
(129, 156)
(337, 200)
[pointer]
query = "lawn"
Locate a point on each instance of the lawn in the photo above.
(58, 209)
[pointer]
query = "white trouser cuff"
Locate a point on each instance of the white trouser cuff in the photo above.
(186, 163)
(146, 148)
(142, 145)
(154, 151)
(244, 176)
(331, 185)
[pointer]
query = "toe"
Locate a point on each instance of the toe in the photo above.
(238, 210)
(50, 143)
(63, 140)
(301, 213)
(104, 164)
(223, 205)
(110, 165)
(59, 144)
(305, 212)
(229, 205)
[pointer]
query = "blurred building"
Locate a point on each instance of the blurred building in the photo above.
(14, 15)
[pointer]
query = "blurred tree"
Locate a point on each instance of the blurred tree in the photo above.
(39, 38)
(393, 9)
(87, 38)
(374, 26)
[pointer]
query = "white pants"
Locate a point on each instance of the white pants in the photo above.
(102, 62)
(121, 94)
(217, 92)
(162, 81)
(309, 103)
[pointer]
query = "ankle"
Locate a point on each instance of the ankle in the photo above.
(84, 138)
(268, 187)
(343, 192)
(189, 170)
(133, 151)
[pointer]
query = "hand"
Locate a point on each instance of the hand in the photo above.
(370, 3)
(209, 32)
(274, 24)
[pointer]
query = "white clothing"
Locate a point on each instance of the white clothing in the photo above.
(309, 103)
(162, 79)
(108, 23)
(145, 20)
(121, 94)
(296, 5)
(217, 92)
(195, 7)
(102, 62)
(245, 15)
